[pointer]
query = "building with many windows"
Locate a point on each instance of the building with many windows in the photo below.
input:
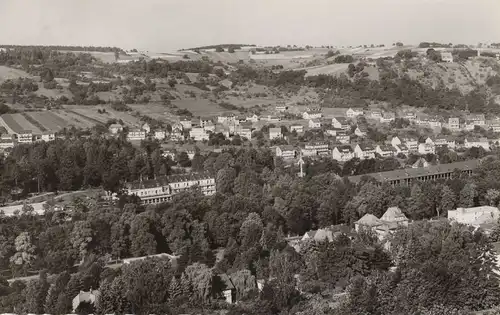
(163, 188)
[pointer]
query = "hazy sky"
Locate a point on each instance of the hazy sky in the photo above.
(161, 25)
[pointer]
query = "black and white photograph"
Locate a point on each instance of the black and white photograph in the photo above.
(266, 157)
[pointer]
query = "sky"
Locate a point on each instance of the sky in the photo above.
(166, 25)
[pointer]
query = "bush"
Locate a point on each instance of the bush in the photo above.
(50, 85)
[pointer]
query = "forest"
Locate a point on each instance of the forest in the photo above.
(240, 232)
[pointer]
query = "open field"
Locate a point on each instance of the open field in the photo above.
(91, 113)
(333, 69)
(7, 73)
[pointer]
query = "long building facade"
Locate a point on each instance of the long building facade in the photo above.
(408, 175)
(162, 189)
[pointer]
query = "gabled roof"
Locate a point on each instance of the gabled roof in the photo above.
(369, 220)
(345, 149)
(341, 120)
(366, 147)
(287, 148)
(274, 129)
(394, 214)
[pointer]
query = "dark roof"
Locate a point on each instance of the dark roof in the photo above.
(416, 172)
(341, 120)
(165, 180)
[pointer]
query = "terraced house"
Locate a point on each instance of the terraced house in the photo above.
(162, 189)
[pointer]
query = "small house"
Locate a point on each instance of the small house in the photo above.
(340, 123)
(351, 113)
(146, 128)
(297, 128)
(361, 131)
(364, 151)
(275, 133)
(286, 152)
(385, 151)
(314, 124)
(115, 129)
(343, 153)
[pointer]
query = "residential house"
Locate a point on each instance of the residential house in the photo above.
(311, 115)
(244, 132)
(115, 129)
(89, 297)
(401, 149)
(222, 129)
(454, 124)
(297, 128)
(272, 118)
(493, 125)
(385, 150)
(343, 137)
(226, 119)
(476, 216)
(209, 127)
(446, 56)
(428, 140)
(477, 142)
(286, 152)
(476, 119)
(351, 113)
(275, 133)
(177, 134)
(136, 135)
(411, 116)
(160, 135)
(169, 154)
(48, 136)
(7, 141)
(204, 121)
(186, 123)
(241, 119)
(198, 134)
(343, 153)
(146, 128)
(376, 115)
(25, 136)
(421, 162)
(254, 118)
(396, 141)
(410, 143)
(320, 148)
(281, 108)
(364, 151)
(447, 142)
(331, 132)
(434, 122)
(361, 131)
(340, 123)
(392, 220)
(426, 148)
(314, 124)
(387, 117)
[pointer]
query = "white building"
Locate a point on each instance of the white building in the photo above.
(426, 148)
(244, 132)
(361, 131)
(316, 148)
(226, 119)
(401, 148)
(311, 115)
(254, 118)
(115, 128)
(445, 142)
(162, 189)
(146, 128)
(351, 113)
(340, 123)
(160, 135)
(387, 117)
(186, 123)
(286, 152)
(343, 138)
(25, 136)
(454, 124)
(385, 150)
(48, 136)
(477, 142)
(474, 216)
(446, 56)
(275, 133)
(343, 153)
(314, 124)
(364, 151)
(136, 135)
(297, 128)
(198, 134)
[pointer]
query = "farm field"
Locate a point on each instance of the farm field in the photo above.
(92, 114)
(333, 69)
(201, 107)
(74, 120)
(7, 73)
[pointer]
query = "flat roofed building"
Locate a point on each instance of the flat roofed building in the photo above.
(408, 175)
(163, 188)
